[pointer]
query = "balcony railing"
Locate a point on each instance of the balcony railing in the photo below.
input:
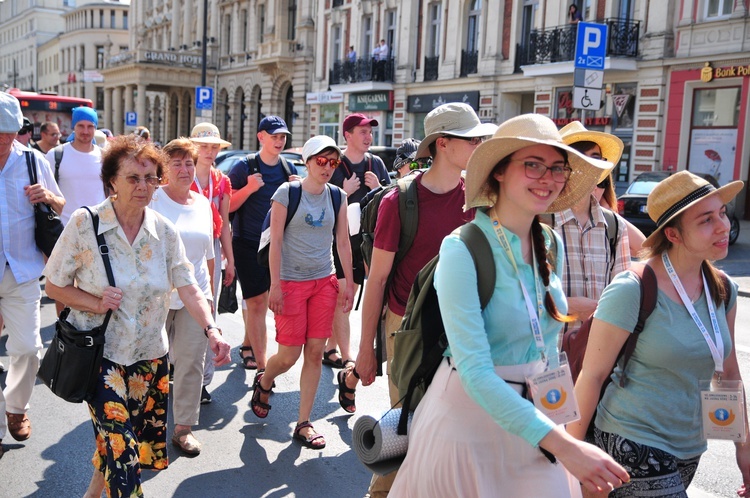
(558, 44)
(468, 62)
(344, 71)
(431, 68)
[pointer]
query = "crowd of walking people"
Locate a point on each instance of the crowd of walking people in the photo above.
(177, 230)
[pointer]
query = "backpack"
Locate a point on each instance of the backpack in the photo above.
(252, 162)
(59, 149)
(420, 342)
(408, 212)
(295, 195)
(575, 340)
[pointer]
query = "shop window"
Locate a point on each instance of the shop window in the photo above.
(718, 8)
(713, 133)
(329, 121)
(623, 105)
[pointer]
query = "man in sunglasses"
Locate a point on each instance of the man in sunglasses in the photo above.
(595, 238)
(453, 132)
(49, 139)
(406, 161)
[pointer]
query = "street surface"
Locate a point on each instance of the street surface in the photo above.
(246, 456)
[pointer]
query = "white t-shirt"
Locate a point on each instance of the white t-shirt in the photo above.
(80, 178)
(194, 223)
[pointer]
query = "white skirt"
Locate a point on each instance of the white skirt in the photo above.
(457, 450)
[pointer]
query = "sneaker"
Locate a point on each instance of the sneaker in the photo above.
(205, 396)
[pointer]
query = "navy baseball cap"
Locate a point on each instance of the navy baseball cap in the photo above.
(273, 125)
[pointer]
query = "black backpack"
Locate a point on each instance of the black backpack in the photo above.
(295, 195)
(420, 342)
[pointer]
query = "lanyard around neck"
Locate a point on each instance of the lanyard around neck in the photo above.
(716, 346)
(210, 186)
(534, 312)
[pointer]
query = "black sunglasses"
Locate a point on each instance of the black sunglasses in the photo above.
(604, 183)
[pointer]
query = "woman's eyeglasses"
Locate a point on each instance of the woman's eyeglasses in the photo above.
(333, 162)
(151, 181)
(536, 170)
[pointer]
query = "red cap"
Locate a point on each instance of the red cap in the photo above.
(358, 119)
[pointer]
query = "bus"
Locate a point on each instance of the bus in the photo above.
(42, 107)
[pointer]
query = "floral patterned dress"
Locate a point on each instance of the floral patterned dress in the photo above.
(129, 409)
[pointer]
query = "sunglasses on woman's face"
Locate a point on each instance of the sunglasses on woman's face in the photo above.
(604, 183)
(323, 161)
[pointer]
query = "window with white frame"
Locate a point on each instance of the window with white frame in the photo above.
(390, 29)
(335, 43)
(433, 34)
(472, 32)
(719, 8)
(367, 42)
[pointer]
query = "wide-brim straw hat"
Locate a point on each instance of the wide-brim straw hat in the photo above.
(678, 192)
(524, 131)
(207, 133)
(610, 145)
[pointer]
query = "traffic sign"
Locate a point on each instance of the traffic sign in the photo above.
(588, 99)
(591, 45)
(204, 98)
(131, 118)
(588, 78)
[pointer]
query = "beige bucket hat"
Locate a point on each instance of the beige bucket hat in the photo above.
(678, 192)
(454, 119)
(515, 134)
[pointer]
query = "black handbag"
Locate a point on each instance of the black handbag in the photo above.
(228, 296)
(48, 224)
(70, 367)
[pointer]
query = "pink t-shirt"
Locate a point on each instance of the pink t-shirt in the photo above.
(439, 215)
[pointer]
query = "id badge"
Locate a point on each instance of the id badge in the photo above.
(552, 392)
(723, 410)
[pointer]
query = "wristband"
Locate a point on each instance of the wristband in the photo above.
(209, 327)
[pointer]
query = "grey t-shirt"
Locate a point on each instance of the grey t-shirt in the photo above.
(306, 252)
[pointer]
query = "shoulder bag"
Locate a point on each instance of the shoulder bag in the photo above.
(48, 225)
(70, 367)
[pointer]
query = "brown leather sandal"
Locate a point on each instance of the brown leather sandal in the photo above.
(19, 426)
(314, 441)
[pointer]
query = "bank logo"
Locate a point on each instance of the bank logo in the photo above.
(707, 73)
(722, 417)
(554, 399)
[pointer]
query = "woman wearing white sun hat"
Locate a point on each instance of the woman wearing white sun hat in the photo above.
(215, 186)
(473, 434)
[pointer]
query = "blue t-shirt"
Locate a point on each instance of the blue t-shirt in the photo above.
(248, 219)
(660, 404)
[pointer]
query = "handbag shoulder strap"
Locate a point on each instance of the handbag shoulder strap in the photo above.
(32, 169)
(104, 251)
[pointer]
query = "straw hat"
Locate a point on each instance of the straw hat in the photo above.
(207, 133)
(515, 134)
(610, 145)
(678, 192)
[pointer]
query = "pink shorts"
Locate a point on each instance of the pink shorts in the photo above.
(308, 310)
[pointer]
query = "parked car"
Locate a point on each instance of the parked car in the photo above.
(226, 159)
(632, 204)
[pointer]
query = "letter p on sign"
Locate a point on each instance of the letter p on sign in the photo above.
(204, 98)
(592, 38)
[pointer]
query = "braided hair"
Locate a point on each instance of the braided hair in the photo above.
(540, 254)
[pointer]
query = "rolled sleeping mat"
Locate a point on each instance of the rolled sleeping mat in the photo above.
(377, 444)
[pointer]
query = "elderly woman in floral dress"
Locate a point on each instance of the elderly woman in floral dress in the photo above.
(129, 408)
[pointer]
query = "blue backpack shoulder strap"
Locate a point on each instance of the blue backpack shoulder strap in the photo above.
(295, 194)
(335, 193)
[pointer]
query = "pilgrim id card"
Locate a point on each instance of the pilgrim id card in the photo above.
(723, 410)
(552, 392)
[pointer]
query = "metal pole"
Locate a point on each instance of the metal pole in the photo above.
(204, 43)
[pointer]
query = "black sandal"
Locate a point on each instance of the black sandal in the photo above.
(248, 362)
(255, 402)
(258, 375)
(337, 363)
(346, 403)
(309, 441)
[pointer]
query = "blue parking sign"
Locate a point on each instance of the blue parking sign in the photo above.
(131, 118)
(204, 98)
(591, 45)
